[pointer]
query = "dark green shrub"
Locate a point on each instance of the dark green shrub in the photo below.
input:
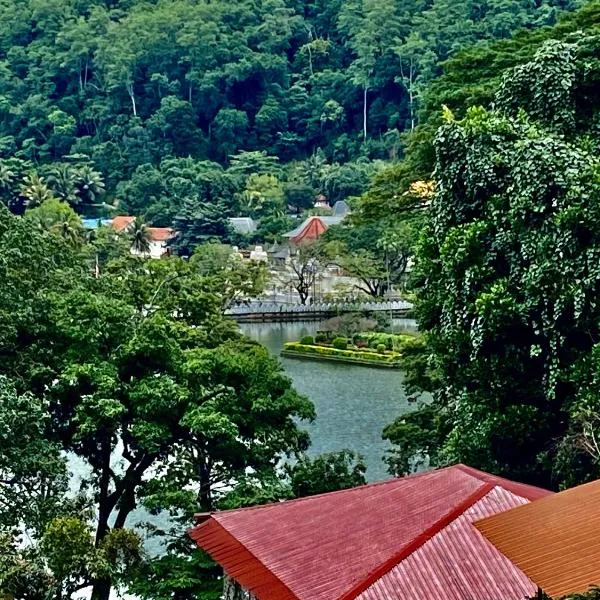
(307, 340)
(340, 343)
(381, 348)
(320, 338)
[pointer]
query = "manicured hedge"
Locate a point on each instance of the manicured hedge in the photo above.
(307, 340)
(359, 355)
(392, 341)
(340, 343)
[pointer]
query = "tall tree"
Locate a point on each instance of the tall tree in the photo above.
(508, 282)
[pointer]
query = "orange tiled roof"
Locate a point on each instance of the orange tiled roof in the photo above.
(122, 223)
(555, 541)
(160, 234)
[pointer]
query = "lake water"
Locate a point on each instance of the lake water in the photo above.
(353, 403)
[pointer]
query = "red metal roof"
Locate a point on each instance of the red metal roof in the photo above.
(312, 229)
(458, 559)
(555, 541)
(336, 546)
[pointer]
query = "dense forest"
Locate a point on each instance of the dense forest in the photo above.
(139, 104)
(506, 266)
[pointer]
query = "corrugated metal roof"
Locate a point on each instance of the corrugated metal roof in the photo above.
(335, 546)
(458, 563)
(555, 541)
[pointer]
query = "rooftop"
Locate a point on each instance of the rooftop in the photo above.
(555, 541)
(408, 538)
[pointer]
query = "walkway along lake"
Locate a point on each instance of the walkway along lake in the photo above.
(353, 403)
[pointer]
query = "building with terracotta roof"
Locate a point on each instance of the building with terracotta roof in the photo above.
(404, 539)
(159, 237)
(555, 540)
(315, 226)
(122, 223)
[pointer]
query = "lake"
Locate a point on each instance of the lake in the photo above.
(353, 403)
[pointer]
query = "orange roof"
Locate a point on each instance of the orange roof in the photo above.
(408, 538)
(555, 541)
(122, 223)
(160, 234)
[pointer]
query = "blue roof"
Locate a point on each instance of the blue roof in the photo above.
(95, 223)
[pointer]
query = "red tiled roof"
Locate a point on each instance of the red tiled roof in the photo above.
(555, 541)
(160, 234)
(311, 230)
(337, 546)
(122, 223)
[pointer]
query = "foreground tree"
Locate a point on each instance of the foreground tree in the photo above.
(508, 283)
(137, 371)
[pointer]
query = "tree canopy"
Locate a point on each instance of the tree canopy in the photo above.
(506, 276)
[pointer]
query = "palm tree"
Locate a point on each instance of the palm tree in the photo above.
(61, 179)
(35, 191)
(140, 237)
(70, 230)
(7, 177)
(89, 184)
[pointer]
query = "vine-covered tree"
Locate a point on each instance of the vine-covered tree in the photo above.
(508, 280)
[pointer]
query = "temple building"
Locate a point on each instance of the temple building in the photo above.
(315, 226)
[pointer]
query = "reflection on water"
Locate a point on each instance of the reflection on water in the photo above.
(353, 404)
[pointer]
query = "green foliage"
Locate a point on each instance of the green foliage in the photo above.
(326, 473)
(29, 460)
(307, 340)
(348, 325)
(97, 94)
(507, 280)
(381, 348)
(136, 358)
(340, 343)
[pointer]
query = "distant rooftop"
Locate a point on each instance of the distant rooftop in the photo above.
(243, 225)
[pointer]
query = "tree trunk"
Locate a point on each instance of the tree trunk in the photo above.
(366, 89)
(132, 96)
(101, 589)
(232, 590)
(105, 507)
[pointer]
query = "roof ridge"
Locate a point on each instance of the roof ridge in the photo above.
(485, 488)
(346, 490)
(525, 490)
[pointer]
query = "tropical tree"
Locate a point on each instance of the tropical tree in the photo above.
(57, 216)
(89, 184)
(139, 236)
(35, 191)
(61, 179)
(507, 282)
